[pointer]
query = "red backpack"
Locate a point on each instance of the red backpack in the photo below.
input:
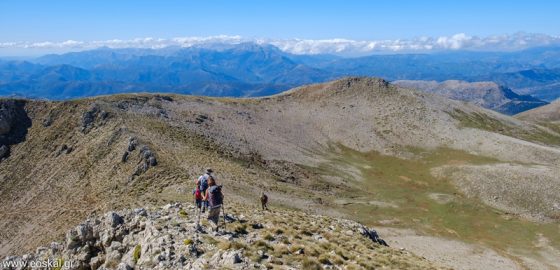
(198, 194)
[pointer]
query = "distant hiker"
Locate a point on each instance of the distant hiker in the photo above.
(215, 199)
(198, 197)
(264, 201)
(203, 182)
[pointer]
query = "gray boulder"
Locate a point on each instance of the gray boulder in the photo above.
(124, 266)
(114, 219)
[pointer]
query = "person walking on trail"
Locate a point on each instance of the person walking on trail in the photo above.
(202, 181)
(264, 201)
(215, 199)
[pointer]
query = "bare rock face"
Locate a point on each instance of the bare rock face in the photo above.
(91, 116)
(8, 113)
(14, 123)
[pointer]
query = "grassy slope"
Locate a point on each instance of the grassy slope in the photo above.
(544, 133)
(64, 189)
(402, 191)
(287, 231)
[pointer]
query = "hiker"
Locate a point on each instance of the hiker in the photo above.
(203, 182)
(198, 196)
(215, 199)
(264, 201)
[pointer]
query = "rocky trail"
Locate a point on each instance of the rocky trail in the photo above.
(170, 238)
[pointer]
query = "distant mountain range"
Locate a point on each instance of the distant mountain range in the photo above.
(250, 69)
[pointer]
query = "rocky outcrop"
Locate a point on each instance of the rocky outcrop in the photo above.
(373, 235)
(14, 123)
(170, 238)
(91, 116)
(146, 157)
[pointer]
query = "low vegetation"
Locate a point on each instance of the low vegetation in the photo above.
(137, 253)
(536, 133)
(404, 193)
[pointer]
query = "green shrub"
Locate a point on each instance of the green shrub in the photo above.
(188, 242)
(137, 253)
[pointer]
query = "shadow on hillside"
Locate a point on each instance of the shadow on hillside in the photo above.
(14, 123)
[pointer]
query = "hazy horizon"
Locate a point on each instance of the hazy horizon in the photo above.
(32, 28)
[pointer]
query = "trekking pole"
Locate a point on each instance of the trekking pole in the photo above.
(224, 211)
(198, 219)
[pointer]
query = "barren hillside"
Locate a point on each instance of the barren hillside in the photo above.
(550, 113)
(358, 148)
(485, 94)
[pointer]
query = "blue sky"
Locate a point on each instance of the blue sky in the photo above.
(23, 22)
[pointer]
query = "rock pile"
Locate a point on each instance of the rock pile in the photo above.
(147, 158)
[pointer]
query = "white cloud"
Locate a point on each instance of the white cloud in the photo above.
(339, 46)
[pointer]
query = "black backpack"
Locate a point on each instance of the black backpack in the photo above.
(215, 196)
